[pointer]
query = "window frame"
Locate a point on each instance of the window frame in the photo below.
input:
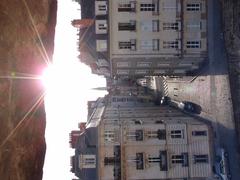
(157, 47)
(171, 44)
(194, 6)
(171, 26)
(109, 136)
(177, 159)
(127, 7)
(131, 45)
(102, 26)
(127, 26)
(152, 159)
(148, 7)
(201, 158)
(155, 25)
(177, 134)
(193, 44)
(102, 7)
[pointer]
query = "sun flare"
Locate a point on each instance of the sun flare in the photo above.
(62, 77)
(66, 84)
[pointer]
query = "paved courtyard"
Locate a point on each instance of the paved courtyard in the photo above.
(210, 89)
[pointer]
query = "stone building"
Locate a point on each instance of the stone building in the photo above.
(132, 38)
(126, 138)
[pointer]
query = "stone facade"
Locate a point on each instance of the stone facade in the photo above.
(128, 138)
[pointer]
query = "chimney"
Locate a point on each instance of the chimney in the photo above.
(82, 23)
(74, 135)
(82, 126)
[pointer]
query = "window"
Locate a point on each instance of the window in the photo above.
(177, 159)
(90, 160)
(139, 134)
(180, 159)
(139, 161)
(200, 158)
(155, 25)
(143, 64)
(102, 26)
(122, 72)
(171, 44)
(124, 45)
(171, 26)
(101, 45)
(146, 45)
(122, 64)
(152, 45)
(131, 135)
(127, 7)
(127, 44)
(193, 25)
(155, 44)
(193, 44)
(109, 136)
(164, 161)
(177, 134)
(141, 71)
(160, 134)
(152, 134)
(87, 161)
(199, 133)
(193, 7)
(149, 26)
(146, 26)
(147, 7)
(102, 7)
(129, 26)
(154, 159)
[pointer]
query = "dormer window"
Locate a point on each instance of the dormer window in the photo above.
(101, 26)
(87, 161)
(100, 7)
(101, 45)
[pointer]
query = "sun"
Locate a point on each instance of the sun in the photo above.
(67, 84)
(62, 77)
(63, 84)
